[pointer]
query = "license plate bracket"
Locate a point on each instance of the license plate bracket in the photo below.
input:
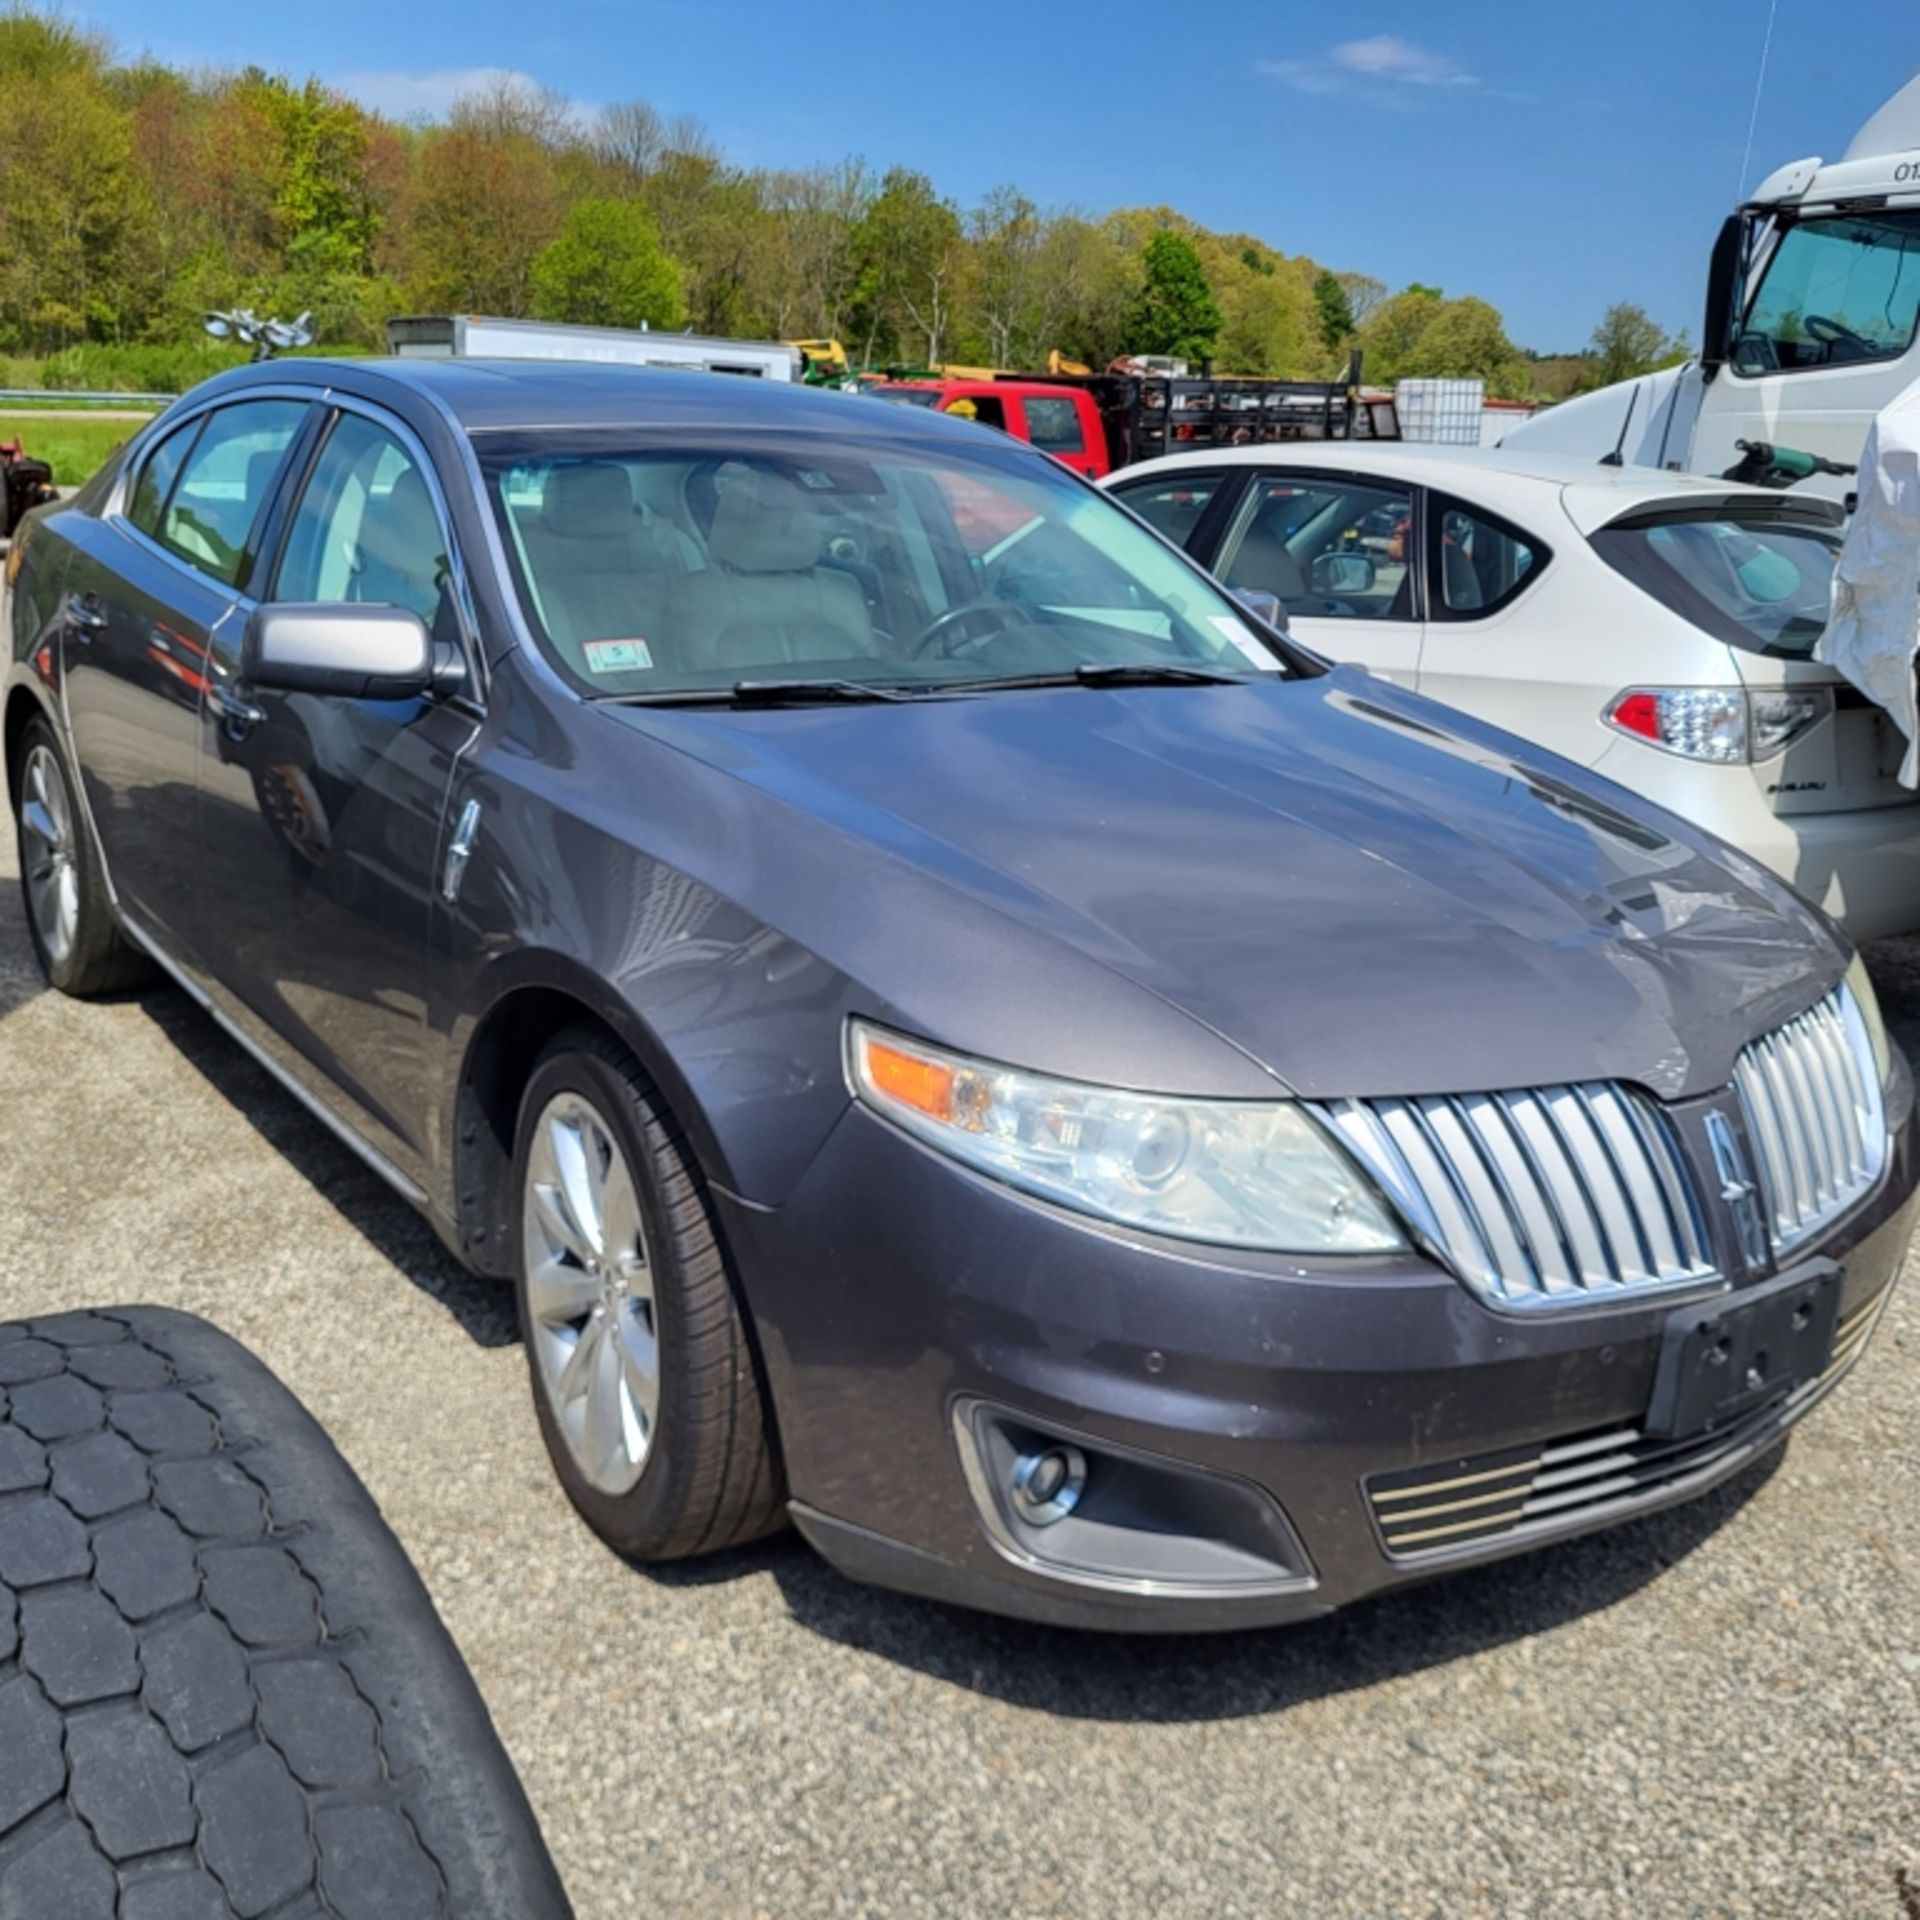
(1723, 1358)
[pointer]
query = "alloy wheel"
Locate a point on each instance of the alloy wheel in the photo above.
(49, 855)
(590, 1301)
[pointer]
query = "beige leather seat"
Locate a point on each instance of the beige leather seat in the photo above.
(764, 600)
(600, 570)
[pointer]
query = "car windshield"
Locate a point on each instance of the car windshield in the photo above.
(1759, 583)
(664, 570)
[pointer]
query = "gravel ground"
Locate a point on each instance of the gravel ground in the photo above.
(1713, 1712)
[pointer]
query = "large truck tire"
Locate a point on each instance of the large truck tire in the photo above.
(223, 1689)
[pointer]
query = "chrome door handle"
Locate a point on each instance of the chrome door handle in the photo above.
(85, 615)
(238, 714)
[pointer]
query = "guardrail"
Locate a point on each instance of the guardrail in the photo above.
(58, 396)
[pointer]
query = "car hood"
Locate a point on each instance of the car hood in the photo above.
(1362, 892)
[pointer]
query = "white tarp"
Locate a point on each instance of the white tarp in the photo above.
(1873, 629)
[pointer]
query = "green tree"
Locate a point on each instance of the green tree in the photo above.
(1390, 335)
(1627, 343)
(1175, 311)
(607, 268)
(1466, 340)
(1335, 309)
(911, 261)
(485, 198)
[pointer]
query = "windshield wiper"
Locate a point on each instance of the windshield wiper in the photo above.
(757, 693)
(1113, 674)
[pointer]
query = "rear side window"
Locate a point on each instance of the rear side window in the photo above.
(225, 482)
(1172, 506)
(1757, 582)
(1054, 425)
(1479, 563)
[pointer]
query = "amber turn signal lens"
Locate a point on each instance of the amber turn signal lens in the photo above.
(924, 1085)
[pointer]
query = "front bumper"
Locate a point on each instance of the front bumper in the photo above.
(897, 1296)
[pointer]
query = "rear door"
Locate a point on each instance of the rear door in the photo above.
(149, 585)
(321, 816)
(1339, 550)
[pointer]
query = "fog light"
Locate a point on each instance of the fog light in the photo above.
(1047, 1484)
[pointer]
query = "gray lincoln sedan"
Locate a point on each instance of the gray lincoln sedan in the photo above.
(957, 1033)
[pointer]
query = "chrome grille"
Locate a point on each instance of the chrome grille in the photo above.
(1547, 1197)
(1811, 1094)
(1532, 1489)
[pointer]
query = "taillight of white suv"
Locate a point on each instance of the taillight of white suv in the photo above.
(1730, 726)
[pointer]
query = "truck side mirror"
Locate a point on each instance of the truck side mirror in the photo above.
(1723, 294)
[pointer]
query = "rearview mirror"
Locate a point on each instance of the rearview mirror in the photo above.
(1336, 573)
(359, 653)
(1261, 604)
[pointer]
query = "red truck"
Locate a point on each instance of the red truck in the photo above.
(1062, 421)
(1095, 423)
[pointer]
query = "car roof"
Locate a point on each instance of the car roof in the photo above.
(1505, 480)
(488, 396)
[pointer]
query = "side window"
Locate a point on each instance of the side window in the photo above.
(1477, 563)
(1172, 506)
(366, 530)
(984, 407)
(1054, 425)
(157, 475)
(1328, 546)
(225, 483)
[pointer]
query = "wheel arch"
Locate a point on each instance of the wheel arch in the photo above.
(23, 707)
(535, 996)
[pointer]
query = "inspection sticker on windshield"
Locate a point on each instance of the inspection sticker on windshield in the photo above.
(618, 656)
(1230, 630)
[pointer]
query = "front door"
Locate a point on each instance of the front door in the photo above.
(321, 816)
(1340, 551)
(147, 590)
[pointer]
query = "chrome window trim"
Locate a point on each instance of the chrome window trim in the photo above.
(471, 697)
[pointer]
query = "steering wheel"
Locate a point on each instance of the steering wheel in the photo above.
(1833, 333)
(939, 639)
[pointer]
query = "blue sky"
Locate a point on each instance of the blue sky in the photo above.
(1552, 157)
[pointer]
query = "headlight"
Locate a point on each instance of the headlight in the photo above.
(1860, 985)
(1228, 1172)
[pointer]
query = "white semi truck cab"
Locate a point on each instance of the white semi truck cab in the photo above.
(1813, 298)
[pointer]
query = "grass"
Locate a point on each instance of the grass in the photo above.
(73, 448)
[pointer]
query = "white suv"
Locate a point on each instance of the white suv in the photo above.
(1656, 627)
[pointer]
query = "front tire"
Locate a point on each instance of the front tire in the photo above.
(644, 1379)
(69, 914)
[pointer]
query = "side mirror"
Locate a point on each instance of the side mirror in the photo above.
(1333, 574)
(359, 653)
(1262, 605)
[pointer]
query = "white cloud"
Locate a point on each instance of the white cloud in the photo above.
(427, 96)
(1380, 67)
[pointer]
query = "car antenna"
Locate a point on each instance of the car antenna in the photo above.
(1616, 458)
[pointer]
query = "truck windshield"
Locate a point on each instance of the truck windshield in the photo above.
(1759, 583)
(1837, 290)
(674, 568)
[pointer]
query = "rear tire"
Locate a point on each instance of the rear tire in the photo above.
(69, 914)
(644, 1378)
